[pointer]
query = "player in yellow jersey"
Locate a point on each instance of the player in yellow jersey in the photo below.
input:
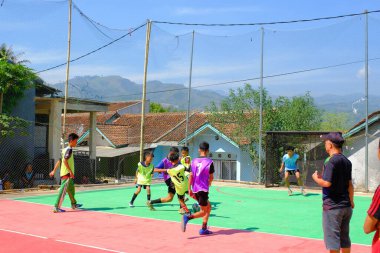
(143, 179)
(179, 179)
(67, 175)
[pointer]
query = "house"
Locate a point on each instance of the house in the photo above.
(355, 151)
(42, 146)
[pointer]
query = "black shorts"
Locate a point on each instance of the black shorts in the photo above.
(171, 187)
(182, 196)
(142, 186)
(292, 172)
(202, 198)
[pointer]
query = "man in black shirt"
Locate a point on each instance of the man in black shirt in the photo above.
(338, 194)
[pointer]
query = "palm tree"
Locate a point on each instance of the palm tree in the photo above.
(7, 54)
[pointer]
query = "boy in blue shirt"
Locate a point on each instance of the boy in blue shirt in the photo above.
(290, 163)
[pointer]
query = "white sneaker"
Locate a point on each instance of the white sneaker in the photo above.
(290, 192)
(131, 204)
(303, 192)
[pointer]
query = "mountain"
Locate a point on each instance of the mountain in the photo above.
(116, 88)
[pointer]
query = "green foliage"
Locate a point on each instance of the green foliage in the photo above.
(335, 122)
(241, 111)
(10, 126)
(14, 80)
(158, 108)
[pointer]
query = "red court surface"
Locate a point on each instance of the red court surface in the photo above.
(26, 227)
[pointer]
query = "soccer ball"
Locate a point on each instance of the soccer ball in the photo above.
(196, 208)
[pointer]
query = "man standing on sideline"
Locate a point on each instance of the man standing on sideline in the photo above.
(371, 222)
(338, 195)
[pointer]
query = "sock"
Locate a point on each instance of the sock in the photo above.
(301, 188)
(134, 197)
(148, 196)
(204, 225)
(155, 201)
(184, 207)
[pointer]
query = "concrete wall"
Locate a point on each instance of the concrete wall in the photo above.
(16, 151)
(245, 171)
(355, 151)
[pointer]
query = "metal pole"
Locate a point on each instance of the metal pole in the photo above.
(189, 92)
(148, 29)
(67, 74)
(261, 102)
(366, 101)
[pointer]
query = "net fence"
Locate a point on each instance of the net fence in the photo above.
(324, 59)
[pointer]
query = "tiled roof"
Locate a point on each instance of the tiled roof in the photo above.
(120, 105)
(118, 135)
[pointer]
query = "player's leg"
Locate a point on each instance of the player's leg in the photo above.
(61, 196)
(287, 184)
(71, 193)
(205, 211)
(345, 241)
(169, 197)
(299, 182)
(148, 198)
(138, 190)
(183, 207)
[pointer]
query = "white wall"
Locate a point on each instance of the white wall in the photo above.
(356, 154)
(244, 168)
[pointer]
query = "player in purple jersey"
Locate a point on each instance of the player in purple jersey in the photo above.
(200, 179)
(165, 164)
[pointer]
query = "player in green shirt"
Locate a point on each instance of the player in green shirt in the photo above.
(143, 179)
(179, 179)
(67, 175)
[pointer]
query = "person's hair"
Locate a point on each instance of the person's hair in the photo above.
(204, 146)
(337, 145)
(185, 149)
(173, 157)
(289, 148)
(27, 164)
(148, 153)
(174, 150)
(73, 136)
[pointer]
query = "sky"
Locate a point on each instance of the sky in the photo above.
(38, 29)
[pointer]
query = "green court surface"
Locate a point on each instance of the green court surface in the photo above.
(261, 210)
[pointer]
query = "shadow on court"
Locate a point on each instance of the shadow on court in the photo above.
(226, 232)
(103, 208)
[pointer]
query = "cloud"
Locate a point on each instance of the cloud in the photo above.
(361, 73)
(217, 10)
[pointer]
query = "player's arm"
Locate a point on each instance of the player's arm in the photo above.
(282, 167)
(160, 170)
(56, 166)
(320, 181)
(211, 178)
(160, 166)
(190, 183)
(351, 193)
(136, 175)
(370, 224)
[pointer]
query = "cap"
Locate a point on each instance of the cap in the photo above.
(334, 137)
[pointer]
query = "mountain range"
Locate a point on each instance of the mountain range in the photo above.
(116, 88)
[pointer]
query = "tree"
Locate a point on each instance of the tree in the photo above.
(335, 121)
(158, 108)
(241, 111)
(15, 78)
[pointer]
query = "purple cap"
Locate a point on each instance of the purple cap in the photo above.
(334, 137)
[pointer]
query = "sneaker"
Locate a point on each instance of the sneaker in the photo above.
(205, 232)
(131, 204)
(186, 199)
(185, 219)
(75, 206)
(150, 206)
(58, 210)
(290, 192)
(303, 192)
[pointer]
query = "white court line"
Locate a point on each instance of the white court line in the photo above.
(43, 237)
(148, 218)
(89, 246)
(21, 233)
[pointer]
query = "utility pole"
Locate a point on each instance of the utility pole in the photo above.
(148, 30)
(189, 92)
(67, 74)
(366, 102)
(261, 103)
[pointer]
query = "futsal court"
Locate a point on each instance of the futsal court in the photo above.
(243, 219)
